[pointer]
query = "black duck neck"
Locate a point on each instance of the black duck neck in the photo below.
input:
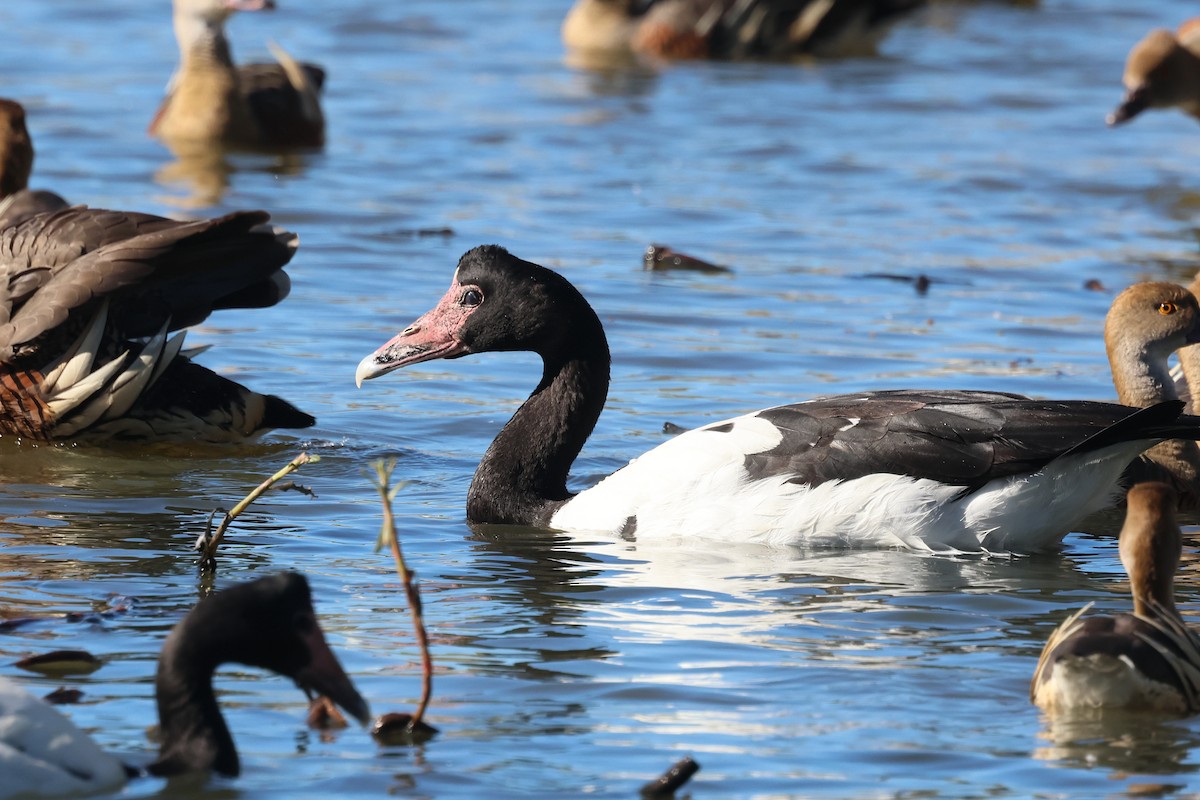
(522, 479)
(194, 734)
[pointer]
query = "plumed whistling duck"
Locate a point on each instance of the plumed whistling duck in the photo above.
(1145, 661)
(1162, 71)
(1146, 323)
(273, 106)
(680, 29)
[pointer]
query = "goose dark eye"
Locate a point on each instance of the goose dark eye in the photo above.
(1167, 308)
(471, 298)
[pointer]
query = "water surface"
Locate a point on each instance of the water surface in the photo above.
(972, 151)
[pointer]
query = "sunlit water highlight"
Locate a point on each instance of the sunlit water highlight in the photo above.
(972, 151)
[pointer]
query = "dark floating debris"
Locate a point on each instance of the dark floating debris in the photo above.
(672, 780)
(12, 623)
(659, 257)
(117, 604)
(671, 429)
(415, 233)
(61, 662)
(62, 696)
(1094, 285)
(920, 282)
(398, 728)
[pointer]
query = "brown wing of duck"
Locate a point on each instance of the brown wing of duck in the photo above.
(287, 115)
(152, 269)
(98, 291)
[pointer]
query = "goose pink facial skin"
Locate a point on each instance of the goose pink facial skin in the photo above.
(434, 335)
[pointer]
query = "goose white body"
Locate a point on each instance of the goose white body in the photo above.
(43, 754)
(696, 485)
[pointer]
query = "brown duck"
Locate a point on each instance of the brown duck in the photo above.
(17, 201)
(87, 300)
(1146, 324)
(1145, 661)
(209, 100)
(680, 29)
(1162, 71)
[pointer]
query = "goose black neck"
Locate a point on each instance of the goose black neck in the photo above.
(194, 734)
(522, 479)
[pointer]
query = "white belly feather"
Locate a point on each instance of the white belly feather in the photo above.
(696, 485)
(1104, 681)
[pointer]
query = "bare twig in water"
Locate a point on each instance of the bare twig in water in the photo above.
(209, 540)
(292, 486)
(387, 537)
(672, 780)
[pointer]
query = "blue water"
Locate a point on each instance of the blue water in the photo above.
(972, 150)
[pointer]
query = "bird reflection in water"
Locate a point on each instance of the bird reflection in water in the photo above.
(1127, 744)
(203, 171)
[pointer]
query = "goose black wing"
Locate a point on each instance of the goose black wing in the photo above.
(959, 438)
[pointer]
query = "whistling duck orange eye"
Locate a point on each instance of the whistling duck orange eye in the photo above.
(1167, 308)
(473, 297)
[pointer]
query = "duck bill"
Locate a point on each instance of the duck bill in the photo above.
(1134, 103)
(324, 675)
(433, 336)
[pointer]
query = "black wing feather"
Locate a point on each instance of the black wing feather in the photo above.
(960, 438)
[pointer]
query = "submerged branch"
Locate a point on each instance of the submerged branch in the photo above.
(388, 537)
(209, 540)
(672, 780)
